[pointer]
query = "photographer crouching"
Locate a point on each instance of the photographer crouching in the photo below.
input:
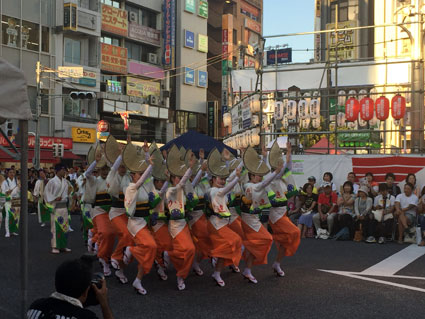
(77, 287)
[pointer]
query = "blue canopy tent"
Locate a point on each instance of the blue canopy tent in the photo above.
(195, 141)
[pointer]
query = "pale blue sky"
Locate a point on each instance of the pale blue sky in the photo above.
(290, 16)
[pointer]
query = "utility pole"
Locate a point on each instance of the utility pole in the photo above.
(36, 119)
(417, 81)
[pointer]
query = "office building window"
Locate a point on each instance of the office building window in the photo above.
(45, 39)
(112, 3)
(142, 16)
(342, 10)
(72, 51)
(30, 36)
(139, 52)
(110, 40)
(10, 31)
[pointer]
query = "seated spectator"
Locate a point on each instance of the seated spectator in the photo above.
(411, 178)
(294, 208)
(312, 180)
(393, 189)
(73, 280)
(327, 208)
(405, 210)
(327, 178)
(307, 210)
(383, 207)
(351, 177)
(373, 186)
(346, 209)
(421, 216)
(364, 216)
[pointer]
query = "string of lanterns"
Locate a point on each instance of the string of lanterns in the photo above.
(363, 110)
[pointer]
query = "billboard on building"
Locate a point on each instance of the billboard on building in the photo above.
(190, 6)
(114, 20)
(169, 33)
(189, 76)
(202, 43)
(144, 34)
(202, 79)
(343, 42)
(114, 59)
(279, 56)
(142, 88)
(189, 39)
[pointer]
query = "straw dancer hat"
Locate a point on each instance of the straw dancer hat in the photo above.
(175, 161)
(275, 156)
(159, 167)
(112, 149)
(254, 163)
(216, 164)
(187, 158)
(91, 156)
(234, 162)
(134, 158)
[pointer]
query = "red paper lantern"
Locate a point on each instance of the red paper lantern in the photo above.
(398, 107)
(366, 109)
(352, 108)
(382, 108)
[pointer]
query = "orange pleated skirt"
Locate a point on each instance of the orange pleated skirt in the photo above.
(145, 249)
(182, 253)
(236, 226)
(163, 242)
(286, 234)
(226, 244)
(201, 236)
(107, 234)
(124, 237)
(257, 244)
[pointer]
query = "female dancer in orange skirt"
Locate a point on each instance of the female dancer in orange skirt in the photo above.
(183, 249)
(195, 192)
(226, 244)
(137, 205)
(257, 240)
(286, 235)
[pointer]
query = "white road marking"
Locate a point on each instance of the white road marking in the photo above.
(388, 268)
(396, 262)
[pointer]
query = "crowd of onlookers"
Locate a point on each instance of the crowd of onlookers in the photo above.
(361, 209)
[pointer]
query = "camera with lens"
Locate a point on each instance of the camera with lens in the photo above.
(97, 278)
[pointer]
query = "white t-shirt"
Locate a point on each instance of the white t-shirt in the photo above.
(406, 201)
(378, 201)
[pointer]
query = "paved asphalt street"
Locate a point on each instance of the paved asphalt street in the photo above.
(305, 292)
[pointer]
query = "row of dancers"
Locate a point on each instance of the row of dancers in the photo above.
(157, 207)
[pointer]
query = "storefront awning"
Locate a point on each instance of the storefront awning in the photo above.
(46, 156)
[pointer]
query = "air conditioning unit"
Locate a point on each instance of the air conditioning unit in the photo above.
(153, 58)
(153, 100)
(132, 17)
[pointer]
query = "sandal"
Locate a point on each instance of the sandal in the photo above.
(251, 278)
(115, 264)
(121, 277)
(139, 288)
(218, 281)
(278, 271)
(161, 273)
(66, 250)
(235, 269)
(180, 284)
(198, 271)
(55, 251)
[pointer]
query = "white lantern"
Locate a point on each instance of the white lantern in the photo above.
(292, 110)
(265, 102)
(227, 119)
(255, 120)
(352, 93)
(305, 123)
(314, 108)
(303, 109)
(278, 110)
(315, 122)
(285, 122)
(255, 133)
(236, 99)
(255, 104)
(362, 94)
(340, 119)
(342, 97)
